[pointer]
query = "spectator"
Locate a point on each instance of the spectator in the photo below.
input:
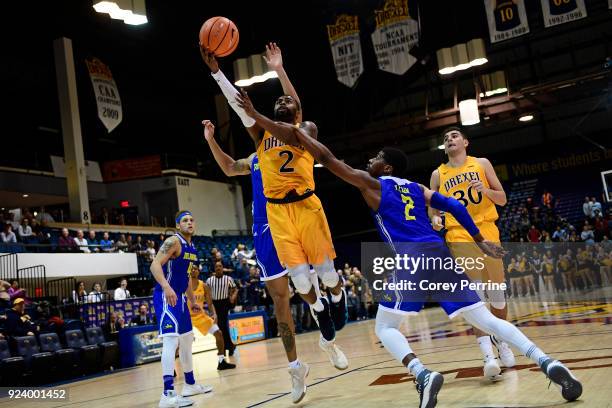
(24, 231)
(587, 235)
(159, 242)
(242, 271)
(241, 252)
(15, 292)
(587, 206)
(106, 245)
(66, 242)
(17, 322)
(79, 295)
(143, 316)
(560, 234)
(122, 244)
(596, 209)
(121, 293)
(254, 288)
(150, 251)
(547, 199)
(112, 326)
(138, 246)
(218, 257)
(534, 234)
(7, 235)
(96, 294)
(44, 218)
(5, 297)
(81, 242)
(94, 244)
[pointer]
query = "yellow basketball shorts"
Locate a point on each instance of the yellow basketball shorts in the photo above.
(461, 244)
(204, 323)
(300, 232)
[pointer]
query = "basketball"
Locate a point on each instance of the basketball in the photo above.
(219, 35)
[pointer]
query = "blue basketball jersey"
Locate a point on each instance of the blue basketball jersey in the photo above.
(176, 271)
(259, 200)
(402, 214)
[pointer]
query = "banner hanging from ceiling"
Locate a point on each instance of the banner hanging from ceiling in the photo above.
(396, 33)
(562, 11)
(106, 92)
(507, 19)
(346, 49)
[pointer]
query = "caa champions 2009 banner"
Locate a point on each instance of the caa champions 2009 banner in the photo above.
(507, 19)
(346, 48)
(396, 32)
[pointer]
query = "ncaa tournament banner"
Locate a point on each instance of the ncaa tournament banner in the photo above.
(396, 32)
(562, 11)
(107, 95)
(507, 19)
(346, 49)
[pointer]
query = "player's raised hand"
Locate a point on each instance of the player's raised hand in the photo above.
(436, 222)
(244, 102)
(209, 59)
(209, 130)
(491, 249)
(273, 57)
(477, 185)
(170, 295)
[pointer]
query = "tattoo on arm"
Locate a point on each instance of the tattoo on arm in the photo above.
(241, 166)
(286, 336)
(167, 246)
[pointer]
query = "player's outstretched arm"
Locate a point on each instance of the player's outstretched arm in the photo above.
(449, 204)
(170, 248)
(434, 214)
(495, 192)
(274, 59)
(281, 130)
(229, 166)
(230, 93)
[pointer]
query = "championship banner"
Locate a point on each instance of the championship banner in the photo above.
(507, 19)
(107, 95)
(346, 49)
(396, 32)
(562, 11)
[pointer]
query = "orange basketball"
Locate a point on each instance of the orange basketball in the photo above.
(219, 35)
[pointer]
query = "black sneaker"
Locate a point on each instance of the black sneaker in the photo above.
(571, 388)
(339, 311)
(324, 321)
(224, 365)
(428, 384)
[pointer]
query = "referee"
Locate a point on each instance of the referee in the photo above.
(224, 294)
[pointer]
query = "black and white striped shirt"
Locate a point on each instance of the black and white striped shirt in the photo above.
(220, 287)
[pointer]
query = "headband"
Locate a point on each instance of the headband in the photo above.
(181, 215)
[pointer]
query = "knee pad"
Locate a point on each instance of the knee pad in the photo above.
(327, 273)
(497, 299)
(300, 276)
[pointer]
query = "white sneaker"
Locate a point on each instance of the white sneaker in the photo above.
(298, 382)
(194, 389)
(336, 356)
(506, 356)
(491, 369)
(169, 401)
(183, 402)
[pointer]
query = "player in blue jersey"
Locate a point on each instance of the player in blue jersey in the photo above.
(400, 210)
(171, 269)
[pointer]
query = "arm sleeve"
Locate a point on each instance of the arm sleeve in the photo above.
(230, 94)
(448, 204)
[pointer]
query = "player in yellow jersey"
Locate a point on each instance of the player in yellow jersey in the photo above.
(473, 182)
(202, 321)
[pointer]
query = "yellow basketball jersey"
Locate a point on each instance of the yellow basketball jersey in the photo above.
(454, 182)
(200, 295)
(284, 167)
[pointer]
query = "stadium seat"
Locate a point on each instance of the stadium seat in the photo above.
(40, 364)
(67, 360)
(90, 353)
(11, 368)
(109, 349)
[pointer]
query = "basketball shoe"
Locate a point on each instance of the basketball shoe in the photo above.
(194, 389)
(336, 356)
(506, 356)
(298, 382)
(571, 388)
(428, 384)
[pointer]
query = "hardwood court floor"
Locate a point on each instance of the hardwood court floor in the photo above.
(578, 333)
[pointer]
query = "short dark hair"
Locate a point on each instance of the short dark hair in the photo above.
(294, 100)
(457, 128)
(396, 159)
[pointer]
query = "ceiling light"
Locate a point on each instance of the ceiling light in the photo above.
(441, 147)
(318, 165)
(460, 57)
(468, 112)
(25, 195)
(494, 83)
(132, 12)
(526, 118)
(476, 52)
(251, 70)
(445, 61)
